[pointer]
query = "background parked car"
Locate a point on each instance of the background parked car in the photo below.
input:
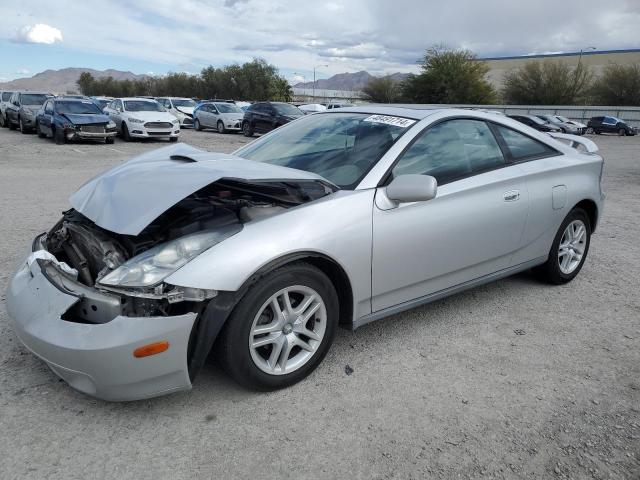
(223, 116)
(262, 117)
(5, 96)
(142, 118)
(564, 126)
(243, 105)
(65, 119)
(180, 107)
(102, 102)
(312, 108)
(333, 105)
(22, 109)
(535, 122)
(610, 125)
(580, 125)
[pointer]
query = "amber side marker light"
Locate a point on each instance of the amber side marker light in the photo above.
(151, 349)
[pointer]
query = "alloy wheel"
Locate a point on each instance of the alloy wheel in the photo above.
(288, 330)
(572, 246)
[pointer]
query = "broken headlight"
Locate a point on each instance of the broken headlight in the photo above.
(151, 267)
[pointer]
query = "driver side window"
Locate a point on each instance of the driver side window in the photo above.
(452, 150)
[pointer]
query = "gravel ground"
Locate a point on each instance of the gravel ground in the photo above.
(510, 380)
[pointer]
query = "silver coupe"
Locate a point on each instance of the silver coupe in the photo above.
(338, 218)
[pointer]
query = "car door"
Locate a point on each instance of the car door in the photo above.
(214, 116)
(12, 108)
(116, 114)
(471, 229)
(609, 125)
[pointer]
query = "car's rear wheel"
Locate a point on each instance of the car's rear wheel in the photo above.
(221, 128)
(569, 249)
(125, 133)
(197, 125)
(281, 329)
(58, 135)
(247, 131)
(10, 124)
(3, 121)
(622, 132)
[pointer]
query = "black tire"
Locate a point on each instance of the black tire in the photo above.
(3, 121)
(597, 132)
(550, 271)
(247, 131)
(220, 127)
(58, 136)
(38, 131)
(10, 124)
(622, 132)
(23, 130)
(125, 133)
(173, 139)
(232, 348)
(109, 140)
(563, 130)
(196, 125)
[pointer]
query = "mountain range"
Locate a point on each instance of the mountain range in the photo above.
(347, 81)
(64, 80)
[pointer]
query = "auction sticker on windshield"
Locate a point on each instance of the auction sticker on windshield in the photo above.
(391, 120)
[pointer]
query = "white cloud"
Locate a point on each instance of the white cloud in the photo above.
(23, 71)
(38, 33)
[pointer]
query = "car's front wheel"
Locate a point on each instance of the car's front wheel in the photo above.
(23, 129)
(281, 329)
(58, 136)
(3, 121)
(39, 131)
(125, 133)
(221, 128)
(197, 125)
(622, 132)
(569, 249)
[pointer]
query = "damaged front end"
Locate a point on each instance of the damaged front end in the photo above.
(93, 289)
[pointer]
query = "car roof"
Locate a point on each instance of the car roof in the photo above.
(33, 92)
(137, 98)
(416, 112)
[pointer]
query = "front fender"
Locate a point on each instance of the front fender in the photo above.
(338, 227)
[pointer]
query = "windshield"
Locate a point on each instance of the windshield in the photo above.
(6, 96)
(341, 147)
(286, 109)
(539, 121)
(86, 107)
(142, 106)
(563, 119)
(33, 98)
(183, 102)
(227, 108)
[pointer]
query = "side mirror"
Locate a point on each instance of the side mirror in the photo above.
(412, 188)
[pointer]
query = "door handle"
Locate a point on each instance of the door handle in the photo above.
(511, 196)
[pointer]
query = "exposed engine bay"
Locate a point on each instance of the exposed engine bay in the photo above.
(95, 252)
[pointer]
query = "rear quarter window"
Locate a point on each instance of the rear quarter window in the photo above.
(522, 147)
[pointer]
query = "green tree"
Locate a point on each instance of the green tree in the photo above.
(618, 85)
(382, 90)
(449, 76)
(280, 90)
(547, 83)
(86, 83)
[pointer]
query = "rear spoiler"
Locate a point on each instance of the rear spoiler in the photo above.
(575, 141)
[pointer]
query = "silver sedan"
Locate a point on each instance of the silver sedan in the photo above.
(338, 218)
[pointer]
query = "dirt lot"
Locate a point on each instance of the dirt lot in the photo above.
(513, 379)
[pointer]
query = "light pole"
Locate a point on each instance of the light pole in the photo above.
(577, 70)
(314, 80)
(583, 50)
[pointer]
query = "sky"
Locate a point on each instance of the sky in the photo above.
(380, 36)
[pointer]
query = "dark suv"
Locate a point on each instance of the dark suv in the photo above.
(537, 123)
(610, 125)
(22, 109)
(262, 117)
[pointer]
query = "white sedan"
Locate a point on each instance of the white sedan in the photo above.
(142, 118)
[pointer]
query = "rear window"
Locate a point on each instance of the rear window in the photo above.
(33, 98)
(523, 147)
(6, 96)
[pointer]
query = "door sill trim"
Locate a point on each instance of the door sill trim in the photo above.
(401, 307)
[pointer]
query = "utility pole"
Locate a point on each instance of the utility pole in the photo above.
(314, 80)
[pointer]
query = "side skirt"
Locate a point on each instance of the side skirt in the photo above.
(432, 297)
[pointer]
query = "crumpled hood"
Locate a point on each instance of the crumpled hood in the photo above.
(84, 119)
(130, 196)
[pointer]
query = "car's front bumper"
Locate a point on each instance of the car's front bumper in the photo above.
(72, 134)
(142, 131)
(96, 359)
